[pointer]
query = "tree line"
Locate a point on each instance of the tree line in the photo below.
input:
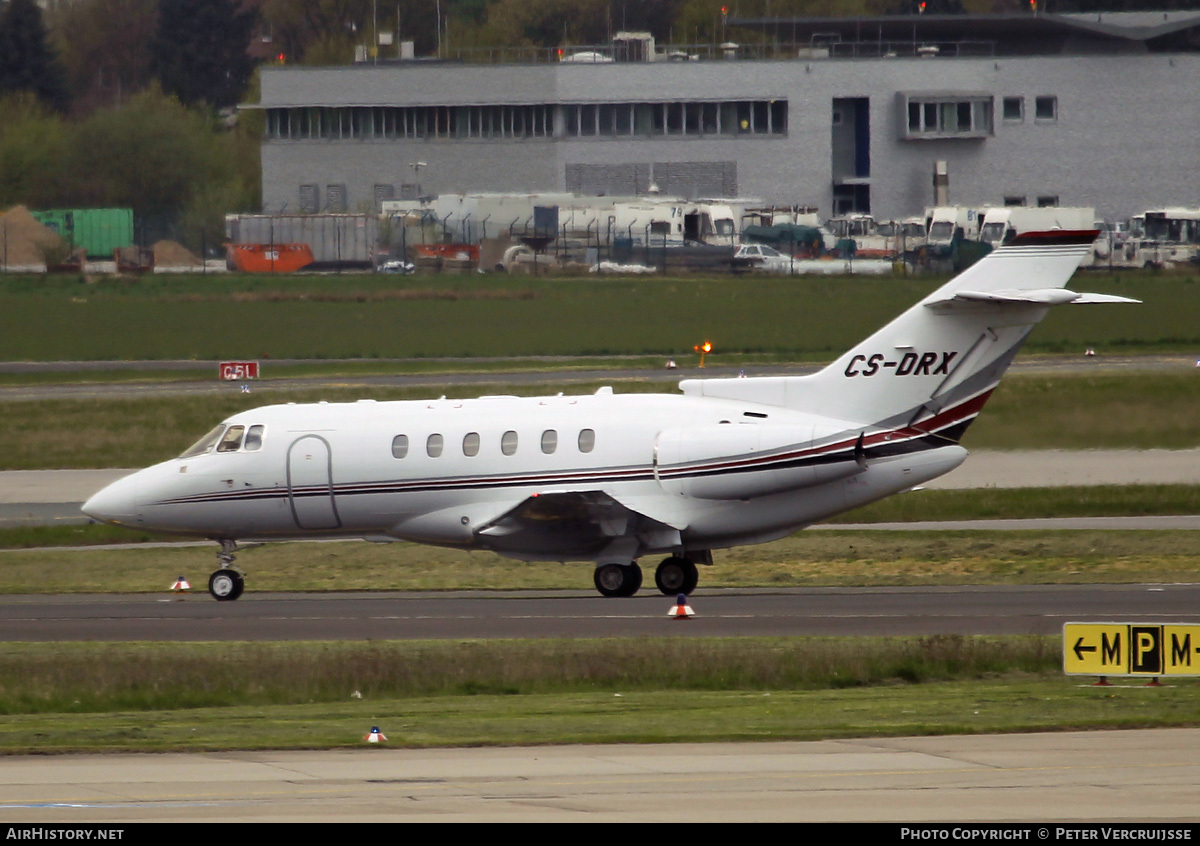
(117, 103)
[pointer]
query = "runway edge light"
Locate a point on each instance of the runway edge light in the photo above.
(181, 584)
(374, 735)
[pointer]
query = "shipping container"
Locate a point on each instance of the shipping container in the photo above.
(97, 231)
(336, 240)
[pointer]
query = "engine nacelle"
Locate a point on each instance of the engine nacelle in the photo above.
(743, 461)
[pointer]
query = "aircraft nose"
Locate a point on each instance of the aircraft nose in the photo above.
(116, 503)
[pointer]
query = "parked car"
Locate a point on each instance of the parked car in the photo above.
(397, 266)
(762, 257)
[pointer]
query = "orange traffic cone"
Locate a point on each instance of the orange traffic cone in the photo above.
(681, 610)
(181, 584)
(375, 735)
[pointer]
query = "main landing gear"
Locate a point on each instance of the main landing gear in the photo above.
(675, 575)
(226, 584)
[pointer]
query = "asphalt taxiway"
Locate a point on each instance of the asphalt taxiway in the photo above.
(1068, 777)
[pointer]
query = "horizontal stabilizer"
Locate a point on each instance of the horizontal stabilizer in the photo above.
(1018, 296)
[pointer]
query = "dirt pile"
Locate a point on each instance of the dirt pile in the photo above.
(25, 243)
(174, 254)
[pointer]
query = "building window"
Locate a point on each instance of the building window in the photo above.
(1045, 108)
(335, 198)
(1014, 200)
(1047, 201)
(945, 116)
(310, 199)
(586, 120)
(1014, 109)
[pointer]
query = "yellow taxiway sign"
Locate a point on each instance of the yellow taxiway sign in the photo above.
(1131, 649)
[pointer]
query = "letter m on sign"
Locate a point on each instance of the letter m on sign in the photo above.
(1181, 651)
(1110, 653)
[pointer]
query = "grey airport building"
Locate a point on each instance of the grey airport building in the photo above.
(840, 114)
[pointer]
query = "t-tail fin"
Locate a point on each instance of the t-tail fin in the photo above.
(934, 366)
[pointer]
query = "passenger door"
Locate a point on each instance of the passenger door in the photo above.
(310, 483)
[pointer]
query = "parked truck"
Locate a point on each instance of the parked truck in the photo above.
(948, 226)
(1168, 236)
(1001, 224)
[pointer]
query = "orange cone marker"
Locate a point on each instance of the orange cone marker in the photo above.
(375, 735)
(181, 584)
(681, 610)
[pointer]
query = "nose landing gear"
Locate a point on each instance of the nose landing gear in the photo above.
(226, 584)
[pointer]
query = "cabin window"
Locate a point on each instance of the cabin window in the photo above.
(471, 443)
(1045, 108)
(400, 446)
(232, 439)
(204, 444)
(549, 441)
(508, 442)
(254, 439)
(433, 445)
(587, 440)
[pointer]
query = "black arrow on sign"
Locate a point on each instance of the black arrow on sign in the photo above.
(1080, 649)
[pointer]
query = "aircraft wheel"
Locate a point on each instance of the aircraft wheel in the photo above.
(618, 579)
(226, 585)
(676, 575)
(635, 576)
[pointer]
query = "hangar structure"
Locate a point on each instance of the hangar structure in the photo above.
(843, 114)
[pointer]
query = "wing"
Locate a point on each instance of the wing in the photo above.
(579, 525)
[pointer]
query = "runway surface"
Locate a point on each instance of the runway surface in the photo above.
(966, 610)
(1085, 777)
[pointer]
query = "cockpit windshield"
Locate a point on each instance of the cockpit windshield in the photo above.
(205, 444)
(231, 441)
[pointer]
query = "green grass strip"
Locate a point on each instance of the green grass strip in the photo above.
(162, 697)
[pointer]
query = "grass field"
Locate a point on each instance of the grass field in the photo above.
(364, 316)
(216, 696)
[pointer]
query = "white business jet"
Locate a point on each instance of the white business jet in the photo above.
(611, 478)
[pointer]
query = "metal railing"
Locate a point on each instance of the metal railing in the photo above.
(602, 54)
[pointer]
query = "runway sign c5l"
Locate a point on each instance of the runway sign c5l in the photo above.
(1131, 649)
